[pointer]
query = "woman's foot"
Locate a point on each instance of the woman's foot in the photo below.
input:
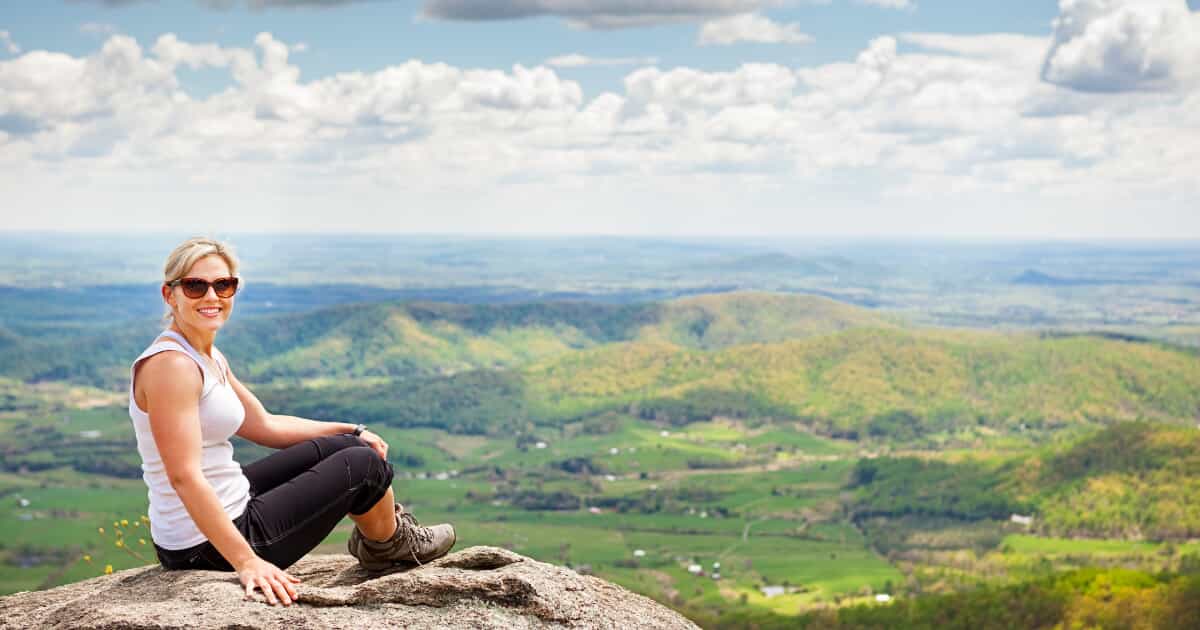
(411, 544)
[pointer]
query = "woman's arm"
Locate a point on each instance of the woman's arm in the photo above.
(172, 386)
(279, 431)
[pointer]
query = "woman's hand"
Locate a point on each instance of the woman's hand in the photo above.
(375, 442)
(276, 584)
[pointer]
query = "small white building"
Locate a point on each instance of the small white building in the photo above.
(772, 591)
(883, 598)
(639, 553)
(540, 445)
(1021, 520)
(695, 569)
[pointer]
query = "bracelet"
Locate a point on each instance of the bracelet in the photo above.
(358, 429)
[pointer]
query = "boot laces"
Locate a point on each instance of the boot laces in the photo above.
(411, 534)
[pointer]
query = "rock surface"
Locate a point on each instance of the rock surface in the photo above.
(478, 587)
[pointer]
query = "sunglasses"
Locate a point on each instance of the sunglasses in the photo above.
(197, 288)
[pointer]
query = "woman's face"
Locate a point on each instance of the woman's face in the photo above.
(206, 313)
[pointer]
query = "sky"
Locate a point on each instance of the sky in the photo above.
(894, 118)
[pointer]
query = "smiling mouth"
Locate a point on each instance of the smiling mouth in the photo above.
(210, 312)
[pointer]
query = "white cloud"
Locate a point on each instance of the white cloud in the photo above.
(890, 4)
(98, 28)
(575, 60)
(599, 14)
(1119, 45)
(7, 43)
(949, 132)
(750, 27)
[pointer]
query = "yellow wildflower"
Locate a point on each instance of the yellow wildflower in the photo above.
(141, 541)
(124, 522)
(108, 569)
(87, 558)
(116, 524)
(100, 529)
(120, 543)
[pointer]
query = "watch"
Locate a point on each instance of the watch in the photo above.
(358, 429)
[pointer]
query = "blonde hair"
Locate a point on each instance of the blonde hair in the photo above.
(181, 259)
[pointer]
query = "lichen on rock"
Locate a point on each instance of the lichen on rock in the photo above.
(478, 587)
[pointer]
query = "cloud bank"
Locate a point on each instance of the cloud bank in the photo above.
(924, 132)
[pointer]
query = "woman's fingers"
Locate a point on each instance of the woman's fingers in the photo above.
(283, 590)
(265, 586)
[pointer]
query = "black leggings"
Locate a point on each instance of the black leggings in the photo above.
(297, 496)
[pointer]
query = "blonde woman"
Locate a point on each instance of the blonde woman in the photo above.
(209, 512)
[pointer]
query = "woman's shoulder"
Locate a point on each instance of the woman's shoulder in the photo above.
(171, 364)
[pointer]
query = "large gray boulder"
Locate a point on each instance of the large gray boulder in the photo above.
(478, 587)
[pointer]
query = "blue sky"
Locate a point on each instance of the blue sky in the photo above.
(370, 35)
(843, 117)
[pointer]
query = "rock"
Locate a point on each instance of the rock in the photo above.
(478, 587)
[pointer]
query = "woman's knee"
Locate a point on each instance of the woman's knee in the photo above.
(370, 473)
(371, 466)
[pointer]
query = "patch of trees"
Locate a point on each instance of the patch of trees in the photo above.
(703, 404)
(909, 486)
(481, 402)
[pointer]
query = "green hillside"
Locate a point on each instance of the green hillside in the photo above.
(729, 319)
(401, 340)
(891, 382)
(1130, 481)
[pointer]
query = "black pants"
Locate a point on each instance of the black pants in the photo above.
(297, 496)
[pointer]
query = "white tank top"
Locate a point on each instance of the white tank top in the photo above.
(221, 414)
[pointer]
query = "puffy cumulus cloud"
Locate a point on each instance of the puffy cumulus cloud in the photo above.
(750, 27)
(688, 89)
(1120, 45)
(943, 120)
(576, 60)
(599, 14)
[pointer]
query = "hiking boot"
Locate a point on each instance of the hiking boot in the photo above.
(411, 545)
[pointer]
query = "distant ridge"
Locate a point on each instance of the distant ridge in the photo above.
(783, 263)
(1037, 278)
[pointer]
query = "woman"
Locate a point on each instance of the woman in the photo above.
(208, 512)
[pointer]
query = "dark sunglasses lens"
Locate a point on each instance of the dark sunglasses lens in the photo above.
(226, 287)
(194, 288)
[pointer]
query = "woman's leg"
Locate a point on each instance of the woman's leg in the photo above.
(378, 523)
(282, 465)
(294, 516)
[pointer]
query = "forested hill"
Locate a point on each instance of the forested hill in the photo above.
(841, 370)
(406, 339)
(1132, 480)
(893, 385)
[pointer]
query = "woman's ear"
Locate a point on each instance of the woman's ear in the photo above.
(167, 297)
